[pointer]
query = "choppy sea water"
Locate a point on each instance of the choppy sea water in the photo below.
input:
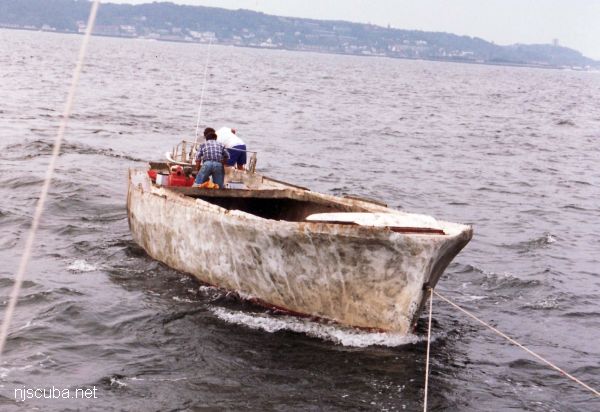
(512, 151)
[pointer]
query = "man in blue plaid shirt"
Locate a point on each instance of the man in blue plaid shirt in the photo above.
(210, 159)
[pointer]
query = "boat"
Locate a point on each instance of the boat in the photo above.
(349, 260)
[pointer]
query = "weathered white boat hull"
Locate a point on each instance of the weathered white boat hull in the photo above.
(359, 276)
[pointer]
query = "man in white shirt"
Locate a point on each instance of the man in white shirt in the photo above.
(234, 145)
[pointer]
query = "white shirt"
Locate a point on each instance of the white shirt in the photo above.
(228, 138)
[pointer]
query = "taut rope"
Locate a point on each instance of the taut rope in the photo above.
(514, 342)
(14, 294)
(202, 92)
(428, 346)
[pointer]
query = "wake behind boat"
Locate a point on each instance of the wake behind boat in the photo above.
(349, 260)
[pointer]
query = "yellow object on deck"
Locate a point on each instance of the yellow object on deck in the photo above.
(208, 185)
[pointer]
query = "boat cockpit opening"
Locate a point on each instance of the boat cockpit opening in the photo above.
(288, 209)
(269, 204)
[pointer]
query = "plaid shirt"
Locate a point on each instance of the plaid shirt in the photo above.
(212, 150)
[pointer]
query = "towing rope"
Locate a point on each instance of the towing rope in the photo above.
(14, 294)
(508, 338)
(428, 346)
(202, 91)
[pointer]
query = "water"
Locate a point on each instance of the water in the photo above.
(512, 151)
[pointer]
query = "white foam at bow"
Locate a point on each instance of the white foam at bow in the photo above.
(334, 333)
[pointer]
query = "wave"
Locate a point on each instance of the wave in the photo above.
(35, 148)
(565, 122)
(8, 281)
(10, 242)
(582, 314)
(80, 265)
(550, 302)
(532, 244)
(338, 334)
(180, 315)
(523, 363)
(112, 382)
(494, 281)
(581, 182)
(464, 268)
(590, 370)
(491, 281)
(575, 207)
(48, 295)
(5, 372)
(25, 180)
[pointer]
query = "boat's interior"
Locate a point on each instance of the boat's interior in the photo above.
(269, 204)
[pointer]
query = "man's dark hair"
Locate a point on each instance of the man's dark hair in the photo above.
(211, 136)
(208, 131)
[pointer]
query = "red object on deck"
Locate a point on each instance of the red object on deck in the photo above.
(152, 174)
(178, 177)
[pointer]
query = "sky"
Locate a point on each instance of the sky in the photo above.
(575, 23)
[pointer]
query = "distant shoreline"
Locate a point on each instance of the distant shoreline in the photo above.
(449, 60)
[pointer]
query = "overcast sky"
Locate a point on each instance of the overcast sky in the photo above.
(575, 23)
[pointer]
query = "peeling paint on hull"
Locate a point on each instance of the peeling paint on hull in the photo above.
(359, 276)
